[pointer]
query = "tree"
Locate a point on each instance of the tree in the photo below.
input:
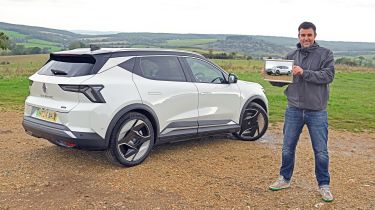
(34, 50)
(232, 55)
(346, 61)
(18, 50)
(45, 50)
(76, 44)
(361, 59)
(4, 41)
(210, 53)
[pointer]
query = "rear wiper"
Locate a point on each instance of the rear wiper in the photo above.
(58, 72)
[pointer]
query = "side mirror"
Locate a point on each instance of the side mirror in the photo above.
(232, 78)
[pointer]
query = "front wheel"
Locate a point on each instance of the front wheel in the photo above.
(254, 123)
(131, 140)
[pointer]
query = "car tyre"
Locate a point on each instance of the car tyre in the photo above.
(254, 123)
(131, 140)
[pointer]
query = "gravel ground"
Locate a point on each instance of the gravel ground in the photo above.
(210, 173)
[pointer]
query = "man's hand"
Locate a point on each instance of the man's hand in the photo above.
(297, 70)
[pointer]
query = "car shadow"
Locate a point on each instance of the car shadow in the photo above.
(75, 157)
(186, 144)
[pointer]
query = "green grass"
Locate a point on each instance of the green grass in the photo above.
(352, 103)
(352, 97)
(41, 44)
(351, 106)
(14, 91)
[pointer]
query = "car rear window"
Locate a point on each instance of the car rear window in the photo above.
(68, 66)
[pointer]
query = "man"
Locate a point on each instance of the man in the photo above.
(307, 96)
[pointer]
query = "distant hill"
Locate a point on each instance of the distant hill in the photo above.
(249, 45)
(256, 46)
(91, 32)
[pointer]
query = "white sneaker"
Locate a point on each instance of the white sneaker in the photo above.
(280, 184)
(326, 193)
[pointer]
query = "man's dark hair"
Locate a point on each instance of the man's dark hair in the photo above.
(307, 25)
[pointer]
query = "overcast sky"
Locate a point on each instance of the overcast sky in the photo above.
(336, 20)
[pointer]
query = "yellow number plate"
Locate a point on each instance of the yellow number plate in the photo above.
(46, 115)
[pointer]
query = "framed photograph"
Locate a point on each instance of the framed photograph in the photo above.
(278, 70)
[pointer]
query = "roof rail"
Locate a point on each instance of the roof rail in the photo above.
(94, 47)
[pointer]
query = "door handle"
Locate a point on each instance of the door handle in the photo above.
(205, 93)
(154, 93)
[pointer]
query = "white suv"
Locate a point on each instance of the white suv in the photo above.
(126, 100)
(279, 70)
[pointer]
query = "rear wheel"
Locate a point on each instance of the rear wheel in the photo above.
(254, 123)
(131, 140)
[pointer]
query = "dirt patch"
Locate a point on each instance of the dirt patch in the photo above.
(210, 173)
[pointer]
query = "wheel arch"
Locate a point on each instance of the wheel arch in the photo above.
(255, 99)
(140, 108)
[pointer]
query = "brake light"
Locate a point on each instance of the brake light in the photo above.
(92, 92)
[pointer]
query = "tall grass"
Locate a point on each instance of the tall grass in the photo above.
(21, 65)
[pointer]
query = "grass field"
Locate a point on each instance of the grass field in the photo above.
(32, 42)
(13, 34)
(41, 44)
(351, 106)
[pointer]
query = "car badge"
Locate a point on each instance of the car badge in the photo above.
(44, 88)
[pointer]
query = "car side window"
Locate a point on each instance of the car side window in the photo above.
(162, 68)
(204, 72)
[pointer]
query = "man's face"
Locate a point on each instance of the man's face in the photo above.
(306, 37)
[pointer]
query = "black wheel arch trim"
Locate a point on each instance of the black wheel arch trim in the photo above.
(256, 99)
(141, 108)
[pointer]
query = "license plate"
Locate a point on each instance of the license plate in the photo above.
(46, 115)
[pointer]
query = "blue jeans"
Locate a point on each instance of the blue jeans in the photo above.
(317, 124)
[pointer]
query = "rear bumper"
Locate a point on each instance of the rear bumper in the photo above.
(62, 135)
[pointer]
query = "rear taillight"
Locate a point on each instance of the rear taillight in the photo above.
(92, 92)
(30, 84)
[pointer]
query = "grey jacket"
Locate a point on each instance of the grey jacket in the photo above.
(311, 90)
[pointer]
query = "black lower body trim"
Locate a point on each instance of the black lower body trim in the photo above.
(193, 133)
(62, 135)
(219, 129)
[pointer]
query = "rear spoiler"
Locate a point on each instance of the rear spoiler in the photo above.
(98, 60)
